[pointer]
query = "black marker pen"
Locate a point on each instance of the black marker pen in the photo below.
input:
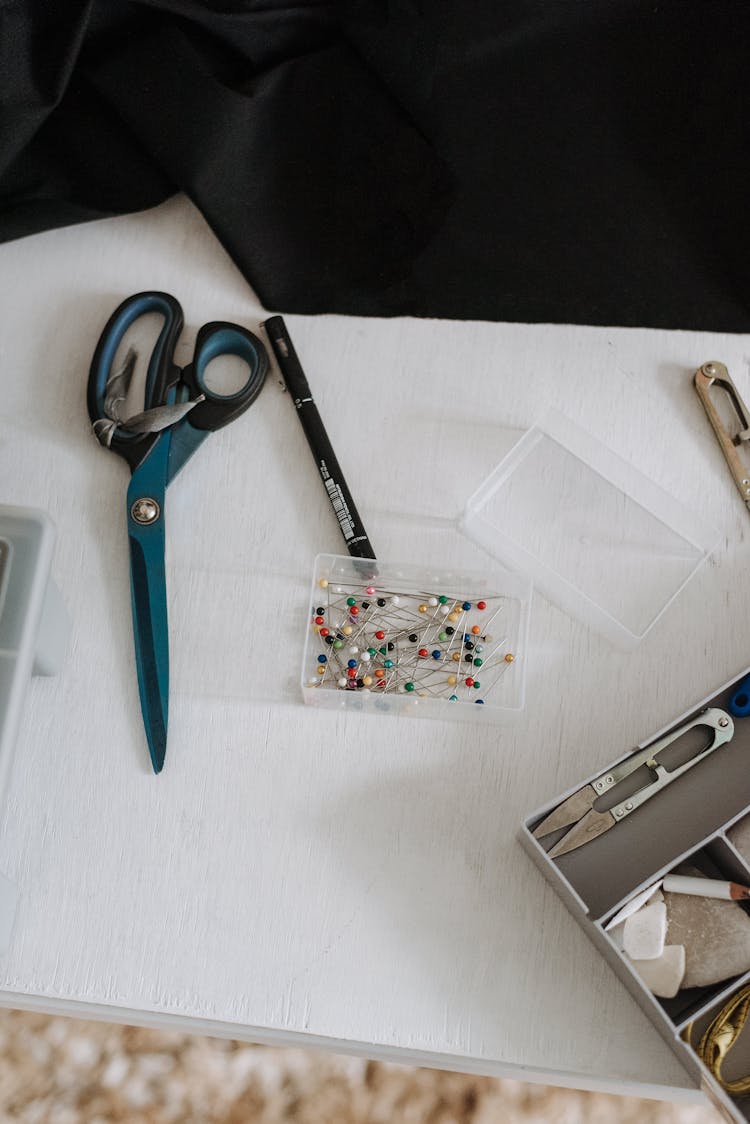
(355, 537)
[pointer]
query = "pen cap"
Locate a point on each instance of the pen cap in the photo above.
(287, 358)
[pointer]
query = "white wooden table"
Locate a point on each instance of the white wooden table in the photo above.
(296, 876)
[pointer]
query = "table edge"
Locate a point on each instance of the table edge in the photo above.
(377, 1051)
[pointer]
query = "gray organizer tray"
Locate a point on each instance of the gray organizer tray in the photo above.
(33, 634)
(689, 821)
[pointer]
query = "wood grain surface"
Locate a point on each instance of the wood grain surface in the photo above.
(297, 875)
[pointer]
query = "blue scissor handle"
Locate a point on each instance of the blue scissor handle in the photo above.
(162, 372)
(216, 339)
(739, 704)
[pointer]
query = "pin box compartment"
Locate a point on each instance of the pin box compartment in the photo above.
(389, 638)
(695, 820)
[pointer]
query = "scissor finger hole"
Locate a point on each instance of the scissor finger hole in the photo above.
(225, 375)
(137, 346)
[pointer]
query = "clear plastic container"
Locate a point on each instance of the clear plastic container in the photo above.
(405, 639)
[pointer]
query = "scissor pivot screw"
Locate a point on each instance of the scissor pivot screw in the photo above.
(145, 511)
(709, 368)
(723, 721)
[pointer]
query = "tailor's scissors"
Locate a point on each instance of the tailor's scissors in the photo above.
(180, 411)
(578, 812)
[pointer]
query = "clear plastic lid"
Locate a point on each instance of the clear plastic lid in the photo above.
(597, 537)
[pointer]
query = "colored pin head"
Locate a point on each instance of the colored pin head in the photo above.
(400, 642)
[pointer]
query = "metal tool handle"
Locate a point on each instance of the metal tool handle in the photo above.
(723, 728)
(716, 374)
(715, 718)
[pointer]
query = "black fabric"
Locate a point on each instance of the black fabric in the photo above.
(534, 160)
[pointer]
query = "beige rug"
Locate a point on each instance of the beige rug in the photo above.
(62, 1071)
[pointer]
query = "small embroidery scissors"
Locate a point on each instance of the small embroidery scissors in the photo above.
(733, 436)
(578, 812)
(180, 411)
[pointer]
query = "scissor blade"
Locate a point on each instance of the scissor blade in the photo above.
(150, 633)
(593, 824)
(185, 439)
(570, 811)
(148, 589)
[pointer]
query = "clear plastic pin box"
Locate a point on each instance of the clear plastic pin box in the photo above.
(398, 639)
(560, 513)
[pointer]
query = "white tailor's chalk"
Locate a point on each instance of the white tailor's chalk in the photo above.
(646, 932)
(615, 934)
(705, 887)
(633, 905)
(664, 975)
